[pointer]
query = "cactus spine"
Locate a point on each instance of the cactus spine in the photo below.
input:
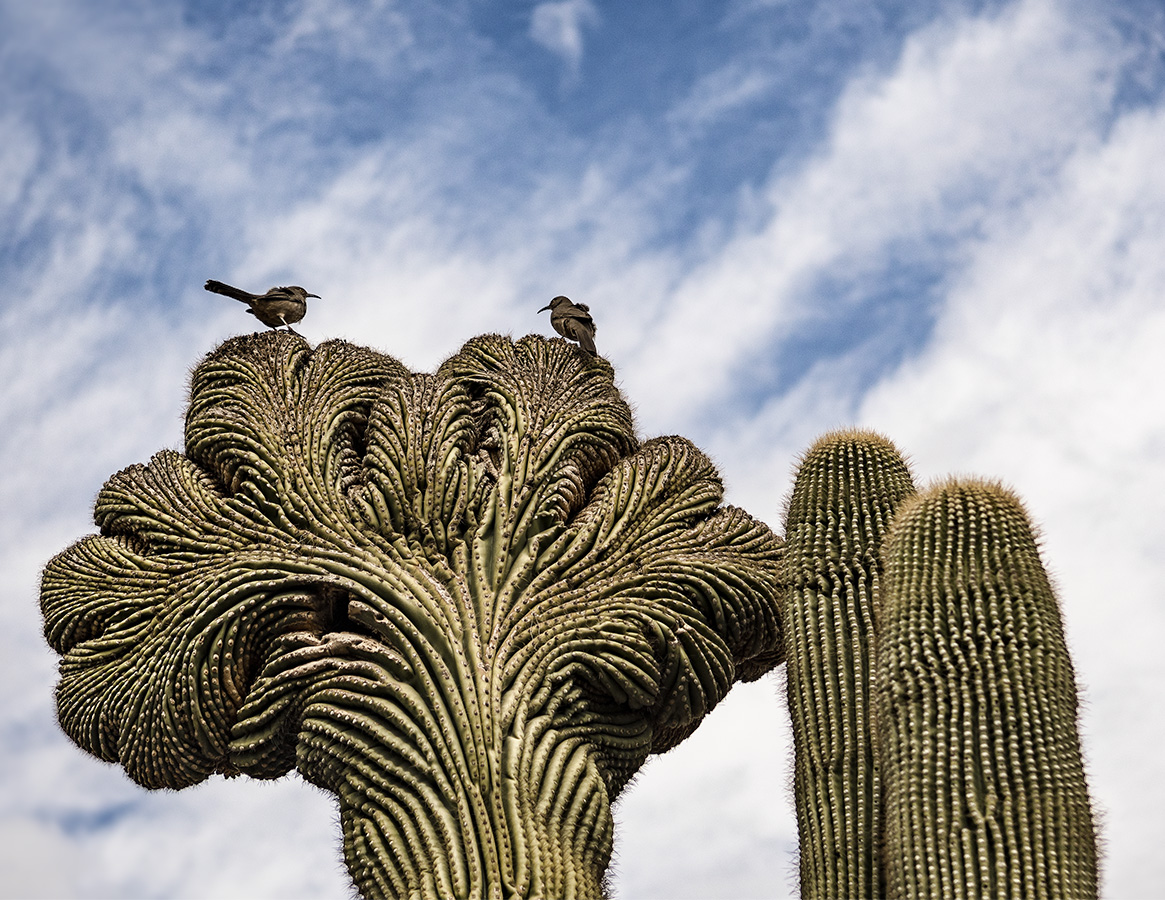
(847, 489)
(976, 700)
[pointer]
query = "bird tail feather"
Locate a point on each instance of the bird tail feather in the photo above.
(218, 287)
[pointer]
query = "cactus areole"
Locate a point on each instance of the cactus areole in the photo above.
(469, 604)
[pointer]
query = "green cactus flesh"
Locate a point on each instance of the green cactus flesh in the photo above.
(846, 491)
(977, 711)
(469, 604)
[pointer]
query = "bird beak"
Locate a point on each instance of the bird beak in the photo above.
(546, 307)
(317, 296)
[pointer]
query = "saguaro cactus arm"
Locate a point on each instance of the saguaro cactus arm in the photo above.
(849, 485)
(978, 735)
(932, 697)
(468, 603)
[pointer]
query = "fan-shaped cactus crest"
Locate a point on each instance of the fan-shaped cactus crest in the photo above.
(470, 604)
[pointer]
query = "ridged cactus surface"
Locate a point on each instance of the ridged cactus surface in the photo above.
(847, 489)
(470, 604)
(977, 712)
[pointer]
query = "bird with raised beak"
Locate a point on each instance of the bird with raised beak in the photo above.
(279, 306)
(573, 321)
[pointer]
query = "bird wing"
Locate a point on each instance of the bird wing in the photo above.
(581, 330)
(579, 312)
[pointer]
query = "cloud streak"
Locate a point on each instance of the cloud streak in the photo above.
(558, 26)
(969, 121)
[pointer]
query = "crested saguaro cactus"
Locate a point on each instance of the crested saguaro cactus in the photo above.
(470, 604)
(932, 696)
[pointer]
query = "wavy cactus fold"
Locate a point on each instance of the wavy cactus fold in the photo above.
(468, 603)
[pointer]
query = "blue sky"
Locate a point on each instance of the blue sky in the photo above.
(942, 220)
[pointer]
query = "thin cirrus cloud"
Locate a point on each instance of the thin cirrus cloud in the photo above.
(970, 120)
(953, 241)
(559, 26)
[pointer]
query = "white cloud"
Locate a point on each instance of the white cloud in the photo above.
(18, 153)
(30, 858)
(558, 26)
(976, 114)
(374, 32)
(697, 808)
(723, 91)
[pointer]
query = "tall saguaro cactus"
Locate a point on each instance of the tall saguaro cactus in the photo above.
(932, 696)
(985, 789)
(848, 489)
(470, 604)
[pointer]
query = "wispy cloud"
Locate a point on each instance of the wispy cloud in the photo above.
(558, 25)
(719, 93)
(974, 116)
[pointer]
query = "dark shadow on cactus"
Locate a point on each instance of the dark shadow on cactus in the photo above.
(470, 604)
